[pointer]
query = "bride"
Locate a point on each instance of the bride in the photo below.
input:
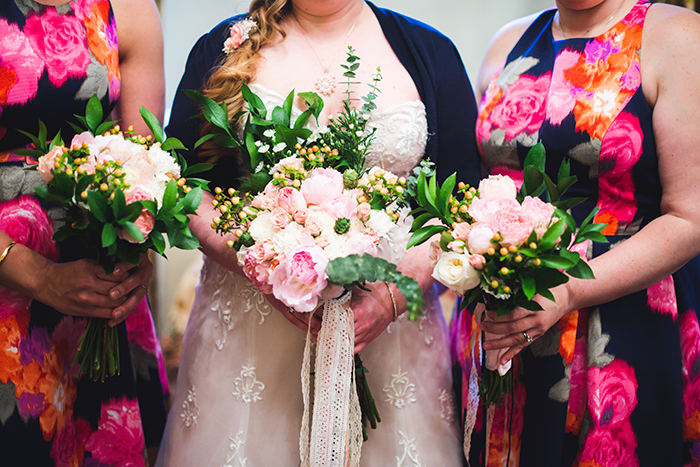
(239, 398)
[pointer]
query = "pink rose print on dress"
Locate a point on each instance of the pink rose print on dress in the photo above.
(611, 448)
(68, 446)
(661, 297)
(621, 148)
(522, 109)
(20, 62)
(119, 440)
(140, 329)
(562, 99)
(690, 350)
(614, 394)
(59, 40)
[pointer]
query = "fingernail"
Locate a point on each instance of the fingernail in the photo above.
(114, 294)
(118, 314)
(117, 271)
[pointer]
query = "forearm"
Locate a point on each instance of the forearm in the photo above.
(22, 268)
(213, 244)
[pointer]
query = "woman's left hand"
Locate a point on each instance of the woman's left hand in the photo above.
(135, 286)
(373, 312)
(512, 330)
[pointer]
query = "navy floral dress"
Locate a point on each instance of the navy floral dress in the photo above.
(617, 384)
(52, 60)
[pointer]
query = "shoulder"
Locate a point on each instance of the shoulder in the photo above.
(670, 54)
(410, 28)
(500, 46)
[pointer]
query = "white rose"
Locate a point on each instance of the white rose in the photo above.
(240, 256)
(262, 228)
(283, 240)
(380, 222)
(454, 271)
(497, 186)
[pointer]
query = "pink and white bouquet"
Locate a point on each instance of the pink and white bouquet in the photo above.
(500, 246)
(123, 195)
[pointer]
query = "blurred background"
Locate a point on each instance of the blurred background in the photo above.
(469, 23)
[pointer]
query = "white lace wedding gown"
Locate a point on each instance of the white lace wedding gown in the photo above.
(239, 399)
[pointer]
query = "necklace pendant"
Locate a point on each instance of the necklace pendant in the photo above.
(325, 84)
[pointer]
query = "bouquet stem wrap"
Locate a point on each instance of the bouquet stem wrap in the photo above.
(334, 437)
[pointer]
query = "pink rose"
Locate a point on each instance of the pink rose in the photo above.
(321, 185)
(46, 163)
(262, 251)
(257, 272)
(280, 218)
(69, 442)
(461, 231)
(434, 253)
(300, 215)
(611, 448)
(239, 33)
(479, 239)
(615, 394)
(290, 199)
(119, 438)
(661, 297)
(477, 261)
(59, 40)
(483, 210)
(301, 277)
(513, 224)
(456, 246)
(19, 58)
(145, 221)
(497, 186)
(363, 210)
(315, 222)
(540, 212)
(522, 109)
(357, 243)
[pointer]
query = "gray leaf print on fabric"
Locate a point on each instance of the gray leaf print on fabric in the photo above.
(588, 155)
(597, 341)
(514, 69)
(96, 82)
(8, 402)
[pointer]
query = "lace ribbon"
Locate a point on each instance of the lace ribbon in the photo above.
(334, 438)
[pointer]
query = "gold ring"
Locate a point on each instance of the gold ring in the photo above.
(527, 337)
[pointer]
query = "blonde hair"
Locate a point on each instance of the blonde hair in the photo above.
(239, 67)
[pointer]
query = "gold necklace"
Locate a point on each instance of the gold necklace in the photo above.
(595, 26)
(325, 84)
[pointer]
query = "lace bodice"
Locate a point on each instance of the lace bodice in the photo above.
(400, 139)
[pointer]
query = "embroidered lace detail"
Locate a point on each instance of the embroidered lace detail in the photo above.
(400, 393)
(221, 302)
(255, 301)
(248, 388)
(190, 409)
(425, 320)
(234, 456)
(447, 406)
(409, 458)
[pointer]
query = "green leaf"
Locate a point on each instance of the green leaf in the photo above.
(279, 117)
(593, 236)
(119, 204)
(581, 271)
(109, 235)
(552, 235)
(250, 162)
(287, 106)
(158, 241)
(529, 286)
(443, 198)
(93, 113)
(173, 144)
(98, 206)
(424, 233)
(420, 221)
(563, 173)
(532, 181)
(256, 183)
(565, 184)
(212, 111)
(254, 102)
(170, 196)
(314, 102)
(42, 135)
(152, 123)
(197, 168)
(104, 126)
(134, 231)
(531, 305)
(192, 200)
(536, 157)
(556, 262)
(566, 204)
(552, 190)
(83, 183)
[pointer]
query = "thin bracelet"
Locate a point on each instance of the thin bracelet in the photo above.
(7, 250)
(393, 301)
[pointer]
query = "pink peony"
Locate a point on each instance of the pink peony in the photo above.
(513, 224)
(301, 277)
(522, 109)
(21, 61)
(262, 251)
(290, 199)
(343, 206)
(479, 239)
(145, 221)
(540, 212)
(461, 231)
(611, 448)
(614, 395)
(483, 210)
(59, 40)
(119, 438)
(497, 186)
(357, 243)
(321, 185)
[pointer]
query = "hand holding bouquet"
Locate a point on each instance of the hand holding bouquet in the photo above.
(501, 247)
(123, 194)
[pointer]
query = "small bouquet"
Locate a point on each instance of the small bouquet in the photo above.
(307, 222)
(500, 247)
(123, 193)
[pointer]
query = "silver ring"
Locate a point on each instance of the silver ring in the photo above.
(290, 309)
(528, 339)
(145, 287)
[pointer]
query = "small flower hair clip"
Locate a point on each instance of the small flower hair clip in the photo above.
(239, 33)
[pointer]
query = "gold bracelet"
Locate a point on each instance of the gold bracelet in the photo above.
(7, 250)
(393, 301)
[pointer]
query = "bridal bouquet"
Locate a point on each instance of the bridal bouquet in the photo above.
(306, 224)
(500, 246)
(123, 193)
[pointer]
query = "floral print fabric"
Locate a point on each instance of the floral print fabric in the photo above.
(617, 384)
(52, 60)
